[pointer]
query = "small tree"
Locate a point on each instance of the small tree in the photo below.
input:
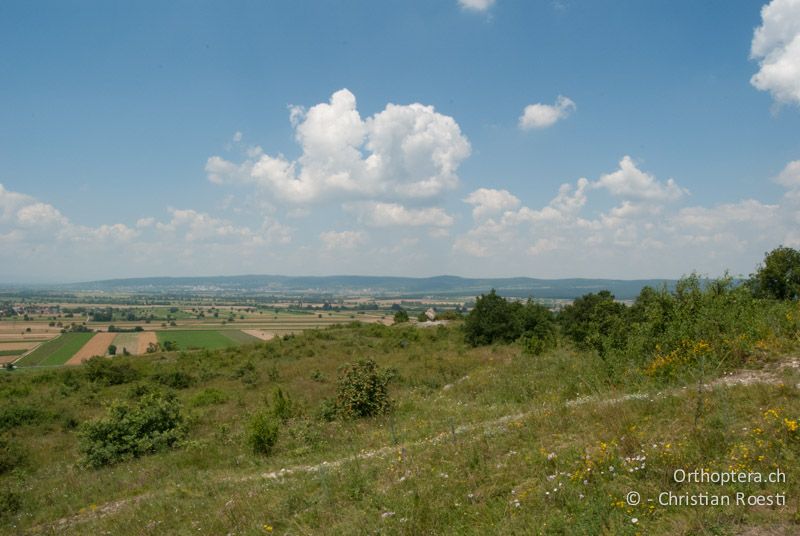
(491, 320)
(778, 276)
(400, 316)
(262, 432)
(112, 349)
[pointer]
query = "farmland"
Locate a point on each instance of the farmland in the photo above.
(57, 351)
(210, 340)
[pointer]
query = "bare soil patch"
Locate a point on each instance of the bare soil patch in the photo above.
(97, 345)
(18, 345)
(259, 333)
(145, 338)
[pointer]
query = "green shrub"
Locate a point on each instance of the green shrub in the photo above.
(262, 432)
(14, 415)
(177, 379)
(209, 397)
(102, 370)
(281, 405)
(400, 316)
(362, 390)
(154, 423)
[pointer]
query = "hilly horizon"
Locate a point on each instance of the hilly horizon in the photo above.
(384, 286)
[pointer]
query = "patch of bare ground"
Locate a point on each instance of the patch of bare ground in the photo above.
(259, 333)
(145, 339)
(97, 345)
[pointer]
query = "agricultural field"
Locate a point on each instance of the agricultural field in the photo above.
(56, 351)
(209, 340)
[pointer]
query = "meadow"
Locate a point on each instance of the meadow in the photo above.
(511, 419)
(202, 339)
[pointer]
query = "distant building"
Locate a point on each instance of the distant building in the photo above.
(431, 314)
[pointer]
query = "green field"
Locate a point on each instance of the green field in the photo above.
(56, 351)
(19, 351)
(211, 340)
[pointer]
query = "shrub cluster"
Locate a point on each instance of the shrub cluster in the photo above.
(495, 319)
(151, 424)
(363, 390)
(262, 432)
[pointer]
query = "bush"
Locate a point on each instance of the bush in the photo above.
(400, 316)
(177, 379)
(129, 431)
(362, 390)
(595, 322)
(14, 415)
(262, 433)
(281, 405)
(491, 320)
(102, 370)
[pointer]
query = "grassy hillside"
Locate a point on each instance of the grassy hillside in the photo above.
(485, 440)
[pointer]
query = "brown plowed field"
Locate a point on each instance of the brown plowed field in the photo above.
(145, 338)
(97, 345)
(18, 345)
(259, 333)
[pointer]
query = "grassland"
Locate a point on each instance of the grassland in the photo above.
(56, 351)
(483, 440)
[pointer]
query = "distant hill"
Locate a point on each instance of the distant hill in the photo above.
(439, 286)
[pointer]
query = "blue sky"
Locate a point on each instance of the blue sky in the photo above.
(397, 138)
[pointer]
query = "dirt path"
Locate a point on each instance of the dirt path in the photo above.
(259, 333)
(745, 377)
(145, 338)
(97, 345)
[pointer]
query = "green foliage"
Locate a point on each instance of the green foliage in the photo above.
(400, 316)
(177, 379)
(495, 319)
(209, 397)
(112, 349)
(281, 405)
(595, 322)
(152, 424)
(362, 390)
(13, 415)
(778, 276)
(262, 432)
(101, 370)
(491, 320)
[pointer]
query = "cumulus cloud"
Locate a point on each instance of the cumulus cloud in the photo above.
(342, 240)
(476, 5)
(546, 115)
(790, 176)
(403, 152)
(630, 181)
(376, 214)
(776, 46)
(486, 201)
(645, 228)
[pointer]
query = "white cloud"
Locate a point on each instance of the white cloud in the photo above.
(376, 214)
(403, 152)
(237, 137)
(630, 181)
(790, 176)
(776, 46)
(476, 5)
(342, 240)
(546, 115)
(40, 215)
(488, 201)
(645, 229)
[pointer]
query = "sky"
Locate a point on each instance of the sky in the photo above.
(481, 138)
